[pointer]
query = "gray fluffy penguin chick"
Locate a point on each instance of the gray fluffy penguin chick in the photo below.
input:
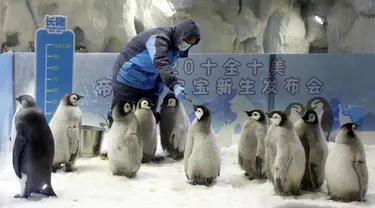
(346, 167)
(148, 131)
(316, 150)
(66, 126)
(202, 161)
(287, 158)
(33, 149)
(124, 142)
(174, 124)
(251, 150)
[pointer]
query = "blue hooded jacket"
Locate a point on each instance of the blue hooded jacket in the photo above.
(146, 62)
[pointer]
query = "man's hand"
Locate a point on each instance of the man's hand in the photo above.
(179, 92)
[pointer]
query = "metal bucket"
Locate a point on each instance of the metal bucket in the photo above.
(91, 141)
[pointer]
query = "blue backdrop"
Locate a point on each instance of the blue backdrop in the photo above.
(228, 84)
(7, 99)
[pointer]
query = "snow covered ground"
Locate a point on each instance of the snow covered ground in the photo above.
(165, 185)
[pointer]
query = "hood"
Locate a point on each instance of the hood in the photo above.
(185, 29)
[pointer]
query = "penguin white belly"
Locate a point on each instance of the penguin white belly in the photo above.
(123, 150)
(61, 142)
(204, 160)
(247, 151)
(340, 175)
(147, 131)
(180, 133)
(22, 182)
(295, 172)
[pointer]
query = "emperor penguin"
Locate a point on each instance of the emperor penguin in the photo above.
(33, 149)
(174, 124)
(346, 168)
(316, 150)
(251, 149)
(287, 156)
(202, 161)
(124, 141)
(147, 127)
(66, 129)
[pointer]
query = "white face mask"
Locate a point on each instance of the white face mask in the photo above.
(184, 46)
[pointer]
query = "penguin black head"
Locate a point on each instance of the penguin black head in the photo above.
(278, 117)
(26, 101)
(310, 116)
(350, 129)
(170, 100)
(145, 103)
(123, 107)
(71, 99)
(257, 115)
(201, 112)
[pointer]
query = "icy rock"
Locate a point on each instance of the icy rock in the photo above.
(348, 31)
(285, 33)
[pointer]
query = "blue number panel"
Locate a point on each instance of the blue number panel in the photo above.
(54, 68)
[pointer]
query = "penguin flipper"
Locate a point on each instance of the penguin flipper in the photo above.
(282, 160)
(18, 153)
(313, 175)
(360, 168)
(188, 151)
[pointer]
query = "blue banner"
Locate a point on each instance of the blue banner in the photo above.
(231, 83)
(54, 63)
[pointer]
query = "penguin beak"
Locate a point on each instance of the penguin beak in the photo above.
(79, 97)
(195, 107)
(18, 99)
(151, 105)
(305, 117)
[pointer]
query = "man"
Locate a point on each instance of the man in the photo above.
(145, 65)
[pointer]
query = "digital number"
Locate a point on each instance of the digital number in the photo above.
(55, 79)
(55, 68)
(55, 56)
(55, 89)
(54, 102)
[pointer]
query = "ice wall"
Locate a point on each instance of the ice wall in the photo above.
(228, 26)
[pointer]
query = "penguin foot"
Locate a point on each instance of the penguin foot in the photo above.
(176, 155)
(49, 192)
(202, 181)
(69, 167)
(279, 185)
(131, 175)
(24, 196)
(248, 176)
(55, 167)
(153, 159)
(104, 156)
(350, 197)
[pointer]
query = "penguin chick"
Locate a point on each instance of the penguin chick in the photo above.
(251, 150)
(33, 149)
(202, 155)
(346, 168)
(66, 125)
(148, 132)
(316, 150)
(287, 155)
(124, 142)
(174, 124)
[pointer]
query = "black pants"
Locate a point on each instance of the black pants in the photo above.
(124, 92)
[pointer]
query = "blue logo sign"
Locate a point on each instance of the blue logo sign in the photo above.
(54, 63)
